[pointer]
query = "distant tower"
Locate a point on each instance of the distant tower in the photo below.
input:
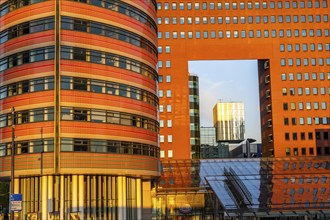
(194, 116)
(228, 119)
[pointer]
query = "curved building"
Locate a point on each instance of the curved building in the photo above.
(78, 85)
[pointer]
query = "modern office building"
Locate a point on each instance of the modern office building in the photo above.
(228, 120)
(194, 116)
(290, 41)
(208, 136)
(79, 81)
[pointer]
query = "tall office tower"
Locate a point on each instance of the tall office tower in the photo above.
(290, 41)
(82, 78)
(194, 116)
(208, 136)
(228, 120)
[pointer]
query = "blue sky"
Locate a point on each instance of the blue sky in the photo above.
(235, 80)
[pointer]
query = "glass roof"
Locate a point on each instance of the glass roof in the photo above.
(255, 185)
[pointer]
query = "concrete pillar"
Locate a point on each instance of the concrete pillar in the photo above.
(99, 195)
(24, 211)
(146, 188)
(120, 198)
(50, 194)
(44, 195)
(104, 197)
(124, 197)
(81, 196)
(16, 186)
(88, 196)
(62, 197)
(93, 214)
(74, 193)
(138, 198)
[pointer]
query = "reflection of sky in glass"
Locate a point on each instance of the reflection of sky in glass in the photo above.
(248, 173)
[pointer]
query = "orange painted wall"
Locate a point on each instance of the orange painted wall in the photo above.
(184, 50)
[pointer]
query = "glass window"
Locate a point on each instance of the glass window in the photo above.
(198, 35)
(250, 19)
(273, 19)
(302, 4)
(272, 5)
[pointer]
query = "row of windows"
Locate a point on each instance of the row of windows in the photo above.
(308, 91)
(304, 47)
(306, 76)
(245, 19)
(27, 86)
(167, 49)
(124, 8)
(71, 83)
(167, 63)
(76, 24)
(168, 108)
(169, 138)
(108, 146)
(28, 56)
(31, 146)
(167, 78)
(169, 123)
(318, 136)
(75, 144)
(99, 86)
(307, 120)
(109, 59)
(12, 5)
(242, 5)
(27, 116)
(168, 93)
(27, 28)
(309, 165)
(111, 117)
(308, 106)
(305, 61)
(241, 34)
(79, 114)
(74, 53)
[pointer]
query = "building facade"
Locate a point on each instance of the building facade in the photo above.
(194, 116)
(208, 136)
(78, 84)
(228, 120)
(290, 41)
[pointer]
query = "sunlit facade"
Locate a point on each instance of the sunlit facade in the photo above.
(82, 78)
(290, 40)
(228, 120)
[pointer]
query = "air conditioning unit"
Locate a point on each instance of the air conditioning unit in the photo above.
(267, 79)
(266, 64)
(269, 108)
(270, 138)
(269, 123)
